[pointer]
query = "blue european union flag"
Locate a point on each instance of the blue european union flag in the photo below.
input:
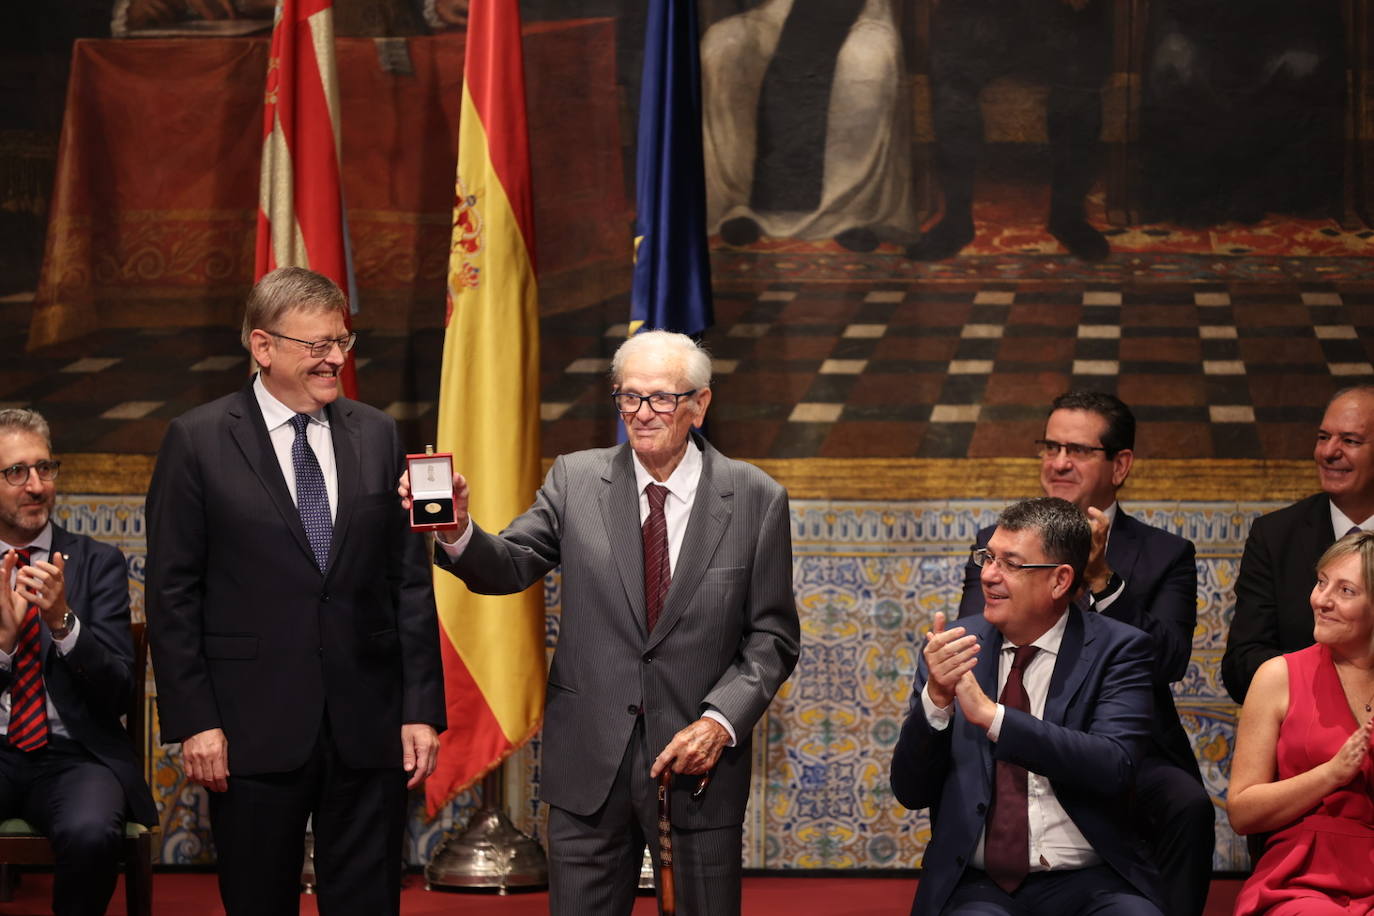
(672, 275)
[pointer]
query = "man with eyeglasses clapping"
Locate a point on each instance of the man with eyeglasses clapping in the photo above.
(1030, 793)
(66, 675)
(1146, 577)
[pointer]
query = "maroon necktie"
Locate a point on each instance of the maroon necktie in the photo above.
(1006, 844)
(28, 729)
(657, 574)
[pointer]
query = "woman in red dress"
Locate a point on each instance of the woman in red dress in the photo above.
(1302, 767)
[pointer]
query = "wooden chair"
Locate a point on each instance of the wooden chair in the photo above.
(21, 844)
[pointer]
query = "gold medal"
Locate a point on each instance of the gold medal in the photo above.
(433, 508)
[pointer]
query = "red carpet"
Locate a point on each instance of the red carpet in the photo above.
(186, 894)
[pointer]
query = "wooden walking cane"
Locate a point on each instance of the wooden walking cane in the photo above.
(667, 896)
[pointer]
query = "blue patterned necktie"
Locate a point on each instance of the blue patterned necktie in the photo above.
(312, 499)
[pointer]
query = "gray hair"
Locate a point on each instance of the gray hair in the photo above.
(1063, 528)
(692, 356)
(288, 289)
(23, 420)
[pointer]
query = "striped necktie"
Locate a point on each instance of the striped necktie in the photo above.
(657, 573)
(28, 730)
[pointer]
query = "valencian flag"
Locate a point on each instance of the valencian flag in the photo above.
(672, 274)
(301, 219)
(493, 646)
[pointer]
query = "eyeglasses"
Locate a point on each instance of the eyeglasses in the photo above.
(16, 475)
(982, 557)
(319, 348)
(659, 401)
(1048, 448)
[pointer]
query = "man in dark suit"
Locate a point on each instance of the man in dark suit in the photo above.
(292, 611)
(1279, 566)
(678, 627)
(1146, 577)
(1029, 795)
(66, 669)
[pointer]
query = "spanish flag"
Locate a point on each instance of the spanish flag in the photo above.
(493, 646)
(301, 218)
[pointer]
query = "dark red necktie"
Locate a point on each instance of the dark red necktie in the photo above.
(1006, 844)
(28, 729)
(657, 573)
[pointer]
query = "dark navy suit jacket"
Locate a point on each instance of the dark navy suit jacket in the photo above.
(1160, 597)
(1093, 735)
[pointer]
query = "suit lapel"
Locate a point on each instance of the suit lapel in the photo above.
(1076, 652)
(1321, 534)
(1123, 545)
(347, 469)
(620, 516)
(711, 511)
(63, 542)
(249, 432)
(985, 672)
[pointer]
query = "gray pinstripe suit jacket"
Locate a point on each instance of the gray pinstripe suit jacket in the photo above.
(728, 636)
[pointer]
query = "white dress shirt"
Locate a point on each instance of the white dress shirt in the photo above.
(1055, 841)
(39, 550)
(1342, 523)
(278, 416)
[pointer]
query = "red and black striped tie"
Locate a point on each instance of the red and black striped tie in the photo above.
(658, 574)
(28, 729)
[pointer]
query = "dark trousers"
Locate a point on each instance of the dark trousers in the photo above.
(1074, 892)
(359, 819)
(1178, 822)
(594, 861)
(974, 42)
(77, 802)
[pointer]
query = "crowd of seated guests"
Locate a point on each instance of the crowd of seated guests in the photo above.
(1068, 794)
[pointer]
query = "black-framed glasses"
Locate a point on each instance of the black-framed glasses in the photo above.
(16, 475)
(319, 348)
(1048, 448)
(659, 401)
(982, 557)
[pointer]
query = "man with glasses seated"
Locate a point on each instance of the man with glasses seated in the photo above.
(292, 616)
(66, 671)
(1029, 794)
(1147, 577)
(678, 627)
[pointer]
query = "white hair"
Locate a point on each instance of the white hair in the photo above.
(692, 356)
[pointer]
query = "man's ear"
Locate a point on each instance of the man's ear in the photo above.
(703, 399)
(1121, 466)
(1061, 580)
(260, 347)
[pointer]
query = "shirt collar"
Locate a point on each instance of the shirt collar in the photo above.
(1341, 523)
(275, 413)
(1049, 640)
(42, 542)
(682, 483)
